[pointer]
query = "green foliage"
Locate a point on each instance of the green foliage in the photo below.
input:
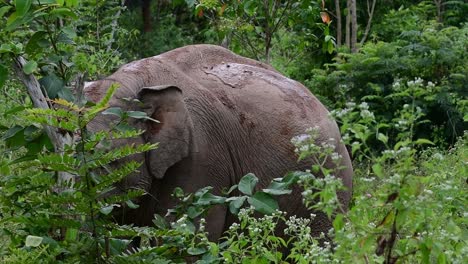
(425, 68)
(406, 205)
(254, 28)
(57, 44)
(393, 99)
(41, 222)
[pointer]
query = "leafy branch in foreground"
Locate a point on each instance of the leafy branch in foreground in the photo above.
(63, 225)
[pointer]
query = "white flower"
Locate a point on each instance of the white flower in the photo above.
(350, 104)
(335, 156)
(300, 139)
(438, 156)
(367, 114)
(364, 106)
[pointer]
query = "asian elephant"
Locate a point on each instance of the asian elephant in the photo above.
(221, 116)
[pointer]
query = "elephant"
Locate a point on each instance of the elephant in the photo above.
(220, 116)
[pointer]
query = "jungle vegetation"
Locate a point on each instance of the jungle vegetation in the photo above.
(393, 73)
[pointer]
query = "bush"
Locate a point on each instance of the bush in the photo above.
(386, 76)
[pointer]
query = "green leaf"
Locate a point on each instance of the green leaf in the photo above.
(6, 48)
(263, 203)
(194, 211)
(382, 138)
(140, 115)
(209, 198)
(71, 234)
(52, 85)
(377, 169)
(247, 183)
(132, 205)
(236, 203)
(63, 12)
(280, 186)
(3, 74)
(441, 259)
(4, 10)
(422, 141)
(33, 241)
(30, 67)
(196, 251)
(117, 111)
(14, 136)
(107, 209)
(160, 222)
(36, 42)
(118, 246)
(231, 189)
(22, 7)
(338, 223)
(277, 191)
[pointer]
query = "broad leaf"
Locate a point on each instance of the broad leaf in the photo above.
(236, 203)
(117, 111)
(247, 184)
(263, 203)
(209, 198)
(107, 209)
(131, 204)
(160, 222)
(22, 7)
(53, 85)
(196, 251)
(36, 42)
(140, 115)
(71, 234)
(30, 67)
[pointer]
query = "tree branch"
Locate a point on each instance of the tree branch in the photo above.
(40, 101)
(368, 26)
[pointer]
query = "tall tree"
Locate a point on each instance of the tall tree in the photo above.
(347, 25)
(370, 13)
(146, 10)
(354, 25)
(338, 24)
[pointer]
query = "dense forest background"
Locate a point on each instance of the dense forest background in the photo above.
(392, 72)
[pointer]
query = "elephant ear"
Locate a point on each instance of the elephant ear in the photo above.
(174, 130)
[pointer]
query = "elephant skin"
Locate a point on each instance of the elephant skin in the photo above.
(221, 116)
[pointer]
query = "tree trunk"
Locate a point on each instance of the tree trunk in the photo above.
(439, 10)
(370, 12)
(354, 26)
(338, 23)
(146, 10)
(40, 101)
(348, 25)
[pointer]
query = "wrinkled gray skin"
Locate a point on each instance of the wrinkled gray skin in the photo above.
(222, 116)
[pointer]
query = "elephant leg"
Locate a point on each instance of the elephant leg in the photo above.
(215, 222)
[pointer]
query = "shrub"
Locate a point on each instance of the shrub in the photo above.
(425, 67)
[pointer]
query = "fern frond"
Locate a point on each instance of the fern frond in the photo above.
(129, 195)
(59, 162)
(59, 118)
(100, 136)
(103, 104)
(99, 159)
(115, 176)
(67, 104)
(126, 134)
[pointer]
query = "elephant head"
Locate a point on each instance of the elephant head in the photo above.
(172, 132)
